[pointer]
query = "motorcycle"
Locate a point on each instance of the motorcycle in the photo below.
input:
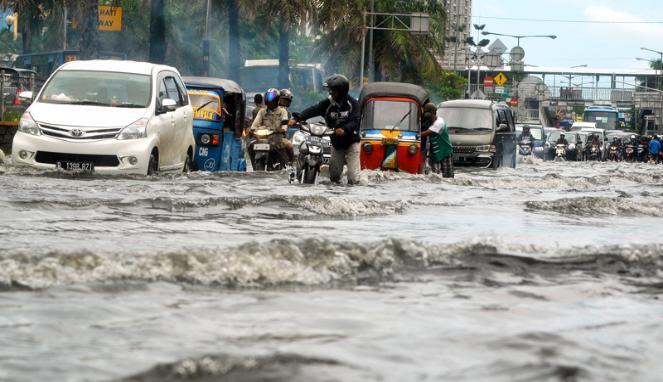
(629, 150)
(313, 145)
(525, 147)
(613, 152)
(594, 152)
(267, 155)
(560, 152)
(641, 152)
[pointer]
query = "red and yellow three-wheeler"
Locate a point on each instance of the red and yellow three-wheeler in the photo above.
(391, 115)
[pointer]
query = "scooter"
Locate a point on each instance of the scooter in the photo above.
(525, 147)
(314, 151)
(613, 153)
(628, 153)
(560, 152)
(266, 154)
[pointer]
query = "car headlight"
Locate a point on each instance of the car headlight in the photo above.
(486, 149)
(136, 130)
(28, 125)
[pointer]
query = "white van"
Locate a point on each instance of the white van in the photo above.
(107, 116)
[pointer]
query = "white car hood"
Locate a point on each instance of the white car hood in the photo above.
(84, 116)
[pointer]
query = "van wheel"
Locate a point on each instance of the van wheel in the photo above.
(495, 163)
(153, 165)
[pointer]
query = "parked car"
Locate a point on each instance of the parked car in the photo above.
(483, 133)
(107, 116)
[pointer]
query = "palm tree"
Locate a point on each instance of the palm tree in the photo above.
(399, 55)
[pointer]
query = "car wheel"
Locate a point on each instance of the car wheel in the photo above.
(188, 165)
(153, 165)
(495, 163)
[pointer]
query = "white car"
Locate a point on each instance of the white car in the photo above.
(110, 117)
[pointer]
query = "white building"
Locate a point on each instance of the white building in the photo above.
(457, 30)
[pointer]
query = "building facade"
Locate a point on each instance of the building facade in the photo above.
(458, 28)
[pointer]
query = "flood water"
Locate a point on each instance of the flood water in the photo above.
(549, 272)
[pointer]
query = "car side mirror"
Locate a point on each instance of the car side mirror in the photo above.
(503, 128)
(168, 105)
(25, 96)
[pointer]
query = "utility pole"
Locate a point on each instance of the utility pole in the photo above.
(371, 62)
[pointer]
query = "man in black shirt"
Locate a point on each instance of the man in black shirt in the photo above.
(341, 113)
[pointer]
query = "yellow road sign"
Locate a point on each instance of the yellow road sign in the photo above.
(110, 18)
(500, 79)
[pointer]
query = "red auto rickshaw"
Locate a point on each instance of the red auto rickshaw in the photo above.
(391, 115)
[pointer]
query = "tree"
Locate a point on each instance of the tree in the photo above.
(157, 32)
(89, 43)
(234, 56)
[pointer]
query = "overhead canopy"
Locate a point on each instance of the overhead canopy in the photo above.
(394, 89)
(228, 86)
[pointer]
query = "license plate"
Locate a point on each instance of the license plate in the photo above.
(261, 147)
(75, 166)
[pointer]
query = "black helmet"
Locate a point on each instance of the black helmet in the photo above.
(339, 83)
(286, 94)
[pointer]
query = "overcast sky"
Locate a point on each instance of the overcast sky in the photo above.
(600, 45)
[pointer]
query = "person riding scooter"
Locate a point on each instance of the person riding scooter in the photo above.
(272, 117)
(562, 140)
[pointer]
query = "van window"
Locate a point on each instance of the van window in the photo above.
(465, 120)
(182, 90)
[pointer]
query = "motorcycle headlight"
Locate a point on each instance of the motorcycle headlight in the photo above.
(317, 129)
(315, 149)
(298, 138)
(572, 146)
(28, 125)
(136, 130)
(412, 149)
(368, 148)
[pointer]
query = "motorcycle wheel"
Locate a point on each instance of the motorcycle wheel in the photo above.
(261, 164)
(309, 175)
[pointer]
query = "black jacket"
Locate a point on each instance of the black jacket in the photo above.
(344, 114)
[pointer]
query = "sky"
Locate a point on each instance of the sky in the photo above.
(609, 44)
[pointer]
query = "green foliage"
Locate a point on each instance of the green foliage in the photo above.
(11, 116)
(447, 85)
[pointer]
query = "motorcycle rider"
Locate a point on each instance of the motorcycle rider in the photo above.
(527, 134)
(257, 100)
(654, 149)
(271, 118)
(341, 113)
(562, 140)
(285, 99)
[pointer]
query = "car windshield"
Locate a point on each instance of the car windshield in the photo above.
(463, 120)
(554, 136)
(392, 115)
(97, 88)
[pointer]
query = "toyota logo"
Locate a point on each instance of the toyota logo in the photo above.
(77, 133)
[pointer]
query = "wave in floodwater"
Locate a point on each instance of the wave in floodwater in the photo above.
(590, 206)
(276, 367)
(319, 263)
(322, 205)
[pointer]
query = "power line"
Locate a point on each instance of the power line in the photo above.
(567, 21)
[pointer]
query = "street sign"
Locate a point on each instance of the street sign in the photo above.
(488, 81)
(500, 79)
(517, 54)
(497, 47)
(499, 89)
(513, 101)
(110, 18)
